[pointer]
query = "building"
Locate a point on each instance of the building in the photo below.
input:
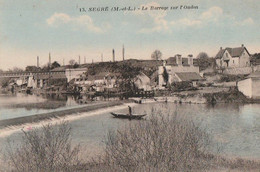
(192, 77)
(233, 57)
(250, 86)
(143, 82)
(98, 82)
(74, 73)
(175, 67)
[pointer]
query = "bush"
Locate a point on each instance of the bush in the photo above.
(46, 149)
(162, 143)
(182, 86)
(230, 78)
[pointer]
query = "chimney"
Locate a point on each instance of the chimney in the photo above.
(79, 60)
(242, 45)
(49, 59)
(190, 59)
(178, 59)
(37, 61)
(113, 54)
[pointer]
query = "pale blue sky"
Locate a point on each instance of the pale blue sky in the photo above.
(32, 28)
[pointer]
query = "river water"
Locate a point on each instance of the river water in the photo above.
(235, 129)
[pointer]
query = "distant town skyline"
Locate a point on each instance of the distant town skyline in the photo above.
(35, 28)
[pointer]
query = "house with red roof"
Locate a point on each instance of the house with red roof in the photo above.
(233, 57)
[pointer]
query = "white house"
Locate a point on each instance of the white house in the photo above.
(250, 86)
(143, 82)
(233, 57)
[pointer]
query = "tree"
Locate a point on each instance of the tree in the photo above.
(202, 55)
(255, 59)
(46, 149)
(165, 75)
(128, 76)
(204, 61)
(72, 62)
(55, 64)
(16, 69)
(156, 55)
(32, 69)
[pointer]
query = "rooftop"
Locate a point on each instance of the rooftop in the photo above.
(189, 76)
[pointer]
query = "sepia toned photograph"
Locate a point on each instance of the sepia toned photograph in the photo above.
(130, 86)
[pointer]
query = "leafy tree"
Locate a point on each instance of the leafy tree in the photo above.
(156, 55)
(202, 55)
(255, 59)
(128, 75)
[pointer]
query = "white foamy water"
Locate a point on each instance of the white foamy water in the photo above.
(30, 126)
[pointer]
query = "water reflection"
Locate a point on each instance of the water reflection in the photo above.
(235, 127)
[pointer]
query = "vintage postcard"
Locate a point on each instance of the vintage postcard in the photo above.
(128, 85)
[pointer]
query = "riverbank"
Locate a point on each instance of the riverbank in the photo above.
(204, 96)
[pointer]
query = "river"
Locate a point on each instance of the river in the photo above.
(235, 129)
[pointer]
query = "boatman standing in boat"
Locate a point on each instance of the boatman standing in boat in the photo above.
(130, 110)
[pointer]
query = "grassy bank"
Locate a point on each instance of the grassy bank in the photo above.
(160, 143)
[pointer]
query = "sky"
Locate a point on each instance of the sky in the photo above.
(32, 28)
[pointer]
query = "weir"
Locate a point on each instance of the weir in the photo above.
(55, 114)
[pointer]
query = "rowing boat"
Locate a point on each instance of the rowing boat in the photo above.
(127, 116)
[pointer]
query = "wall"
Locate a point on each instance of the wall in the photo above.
(255, 88)
(244, 59)
(234, 62)
(245, 86)
(238, 70)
